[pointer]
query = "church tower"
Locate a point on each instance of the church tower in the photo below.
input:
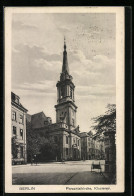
(66, 108)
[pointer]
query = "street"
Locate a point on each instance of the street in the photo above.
(75, 172)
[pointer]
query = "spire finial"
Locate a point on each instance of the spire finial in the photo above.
(64, 43)
(65, 67)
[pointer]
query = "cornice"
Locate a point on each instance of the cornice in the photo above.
(64, 103)
(19, 106)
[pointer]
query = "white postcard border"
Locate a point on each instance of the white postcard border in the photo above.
(119, 187)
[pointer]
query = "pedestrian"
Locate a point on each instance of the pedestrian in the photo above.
(35, 159)
(31, 160)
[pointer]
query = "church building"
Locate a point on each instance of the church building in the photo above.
(64, 133)
(66, 112)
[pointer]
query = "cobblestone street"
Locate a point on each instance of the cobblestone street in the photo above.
(57, 173)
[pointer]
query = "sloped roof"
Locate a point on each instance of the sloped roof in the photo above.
(38, 119)
(17, 104)
(84, 134)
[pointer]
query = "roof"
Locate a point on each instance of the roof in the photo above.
(15, 101)
(38, 114)
(84, 134)
(38, 119)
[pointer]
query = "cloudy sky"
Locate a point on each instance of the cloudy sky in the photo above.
(37, 53)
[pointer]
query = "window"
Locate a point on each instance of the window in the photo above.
(17, 100)
(13, 115)
(21, 133)
(71, 92)
(66, 151)
(62, 92)
(21, 151)
(66, 139)
(73, 122)
(14, 130)
(78, 142)
(21, 119)
(74, 140)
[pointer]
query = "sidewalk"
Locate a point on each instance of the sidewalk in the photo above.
(110, 177)
(81, 162)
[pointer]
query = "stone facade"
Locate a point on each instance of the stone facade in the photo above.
(110, 151)
(92, 147)
(70, 146)
(18, 126)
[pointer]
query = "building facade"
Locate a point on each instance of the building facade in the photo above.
(18, 127)
(92, 147)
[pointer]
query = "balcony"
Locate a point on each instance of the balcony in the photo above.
(59, 125)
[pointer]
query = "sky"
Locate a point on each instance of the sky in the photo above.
(37, 54)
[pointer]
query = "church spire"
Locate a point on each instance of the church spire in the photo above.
(65, 67)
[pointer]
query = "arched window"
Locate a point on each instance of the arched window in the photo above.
(71, 92)
(62, 92)
(66, 139)
(73, 122)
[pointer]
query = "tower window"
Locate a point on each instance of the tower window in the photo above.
(73, 122)
(62, 92)
(66, 139)
(71, 92)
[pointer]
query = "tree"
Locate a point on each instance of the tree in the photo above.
(107, 121)
(33, 142)
(90, 133)
(51, 149)
(14, 147)
(40, 142)
(106, 125)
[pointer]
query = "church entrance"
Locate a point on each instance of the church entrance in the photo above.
(76, 154)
